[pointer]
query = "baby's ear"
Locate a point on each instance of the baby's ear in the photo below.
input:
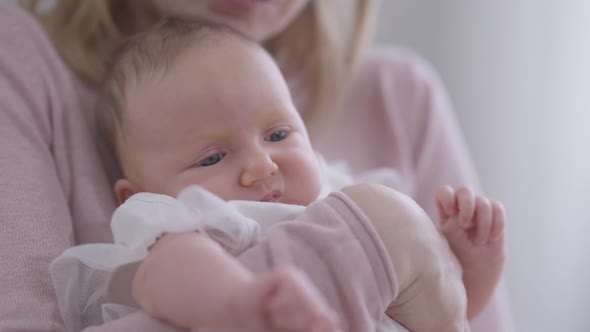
(124, 189)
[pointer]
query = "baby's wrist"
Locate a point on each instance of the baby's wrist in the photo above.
(472, 264)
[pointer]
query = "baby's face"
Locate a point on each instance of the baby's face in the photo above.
(220, 117)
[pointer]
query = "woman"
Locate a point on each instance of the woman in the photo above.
(55, 169)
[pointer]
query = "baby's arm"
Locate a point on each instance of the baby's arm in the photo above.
(187, 279)
(474, 227)
(431, 292)
(191, 281)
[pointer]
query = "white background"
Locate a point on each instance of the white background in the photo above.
(519, 76)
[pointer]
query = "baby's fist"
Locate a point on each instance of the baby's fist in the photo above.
(473, 225)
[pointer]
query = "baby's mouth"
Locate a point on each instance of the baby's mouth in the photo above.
(273, 196)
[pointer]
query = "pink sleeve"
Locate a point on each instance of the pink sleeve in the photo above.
(34, 218)
(430, 144)
(438, 155)
(338, 249)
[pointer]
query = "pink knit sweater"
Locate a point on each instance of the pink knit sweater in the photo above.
(56, 179)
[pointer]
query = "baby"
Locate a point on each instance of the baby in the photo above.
(195, 104)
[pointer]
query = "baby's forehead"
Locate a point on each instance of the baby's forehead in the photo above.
(156, 53)
(225, 50)
(208, 56)
(205, 70)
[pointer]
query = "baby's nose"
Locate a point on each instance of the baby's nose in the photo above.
(258, 168)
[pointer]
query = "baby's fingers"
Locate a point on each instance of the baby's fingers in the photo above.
(499, 221)
(445, 201)
(483, 220)
(466, 203)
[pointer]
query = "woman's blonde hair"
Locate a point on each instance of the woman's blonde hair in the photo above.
(87, 34)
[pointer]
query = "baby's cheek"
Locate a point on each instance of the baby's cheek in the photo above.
(218, 185)
(222, 189)
(301, 172)
(313, 184)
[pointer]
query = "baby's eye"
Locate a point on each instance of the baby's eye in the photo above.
(278, 135)
(211, 160)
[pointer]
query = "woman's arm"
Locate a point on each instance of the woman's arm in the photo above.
(36, 220)
(34, 217)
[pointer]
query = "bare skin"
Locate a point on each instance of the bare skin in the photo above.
(431, 292)
(475, 228)
(227, 294)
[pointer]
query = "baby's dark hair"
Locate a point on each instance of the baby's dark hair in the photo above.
(144, 56)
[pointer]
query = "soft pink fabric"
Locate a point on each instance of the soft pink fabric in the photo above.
(56, 183)
(342, 255)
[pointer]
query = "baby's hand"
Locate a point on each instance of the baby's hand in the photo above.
(474, 228)
(473, 225)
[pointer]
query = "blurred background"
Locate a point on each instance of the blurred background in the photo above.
(518, 73)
